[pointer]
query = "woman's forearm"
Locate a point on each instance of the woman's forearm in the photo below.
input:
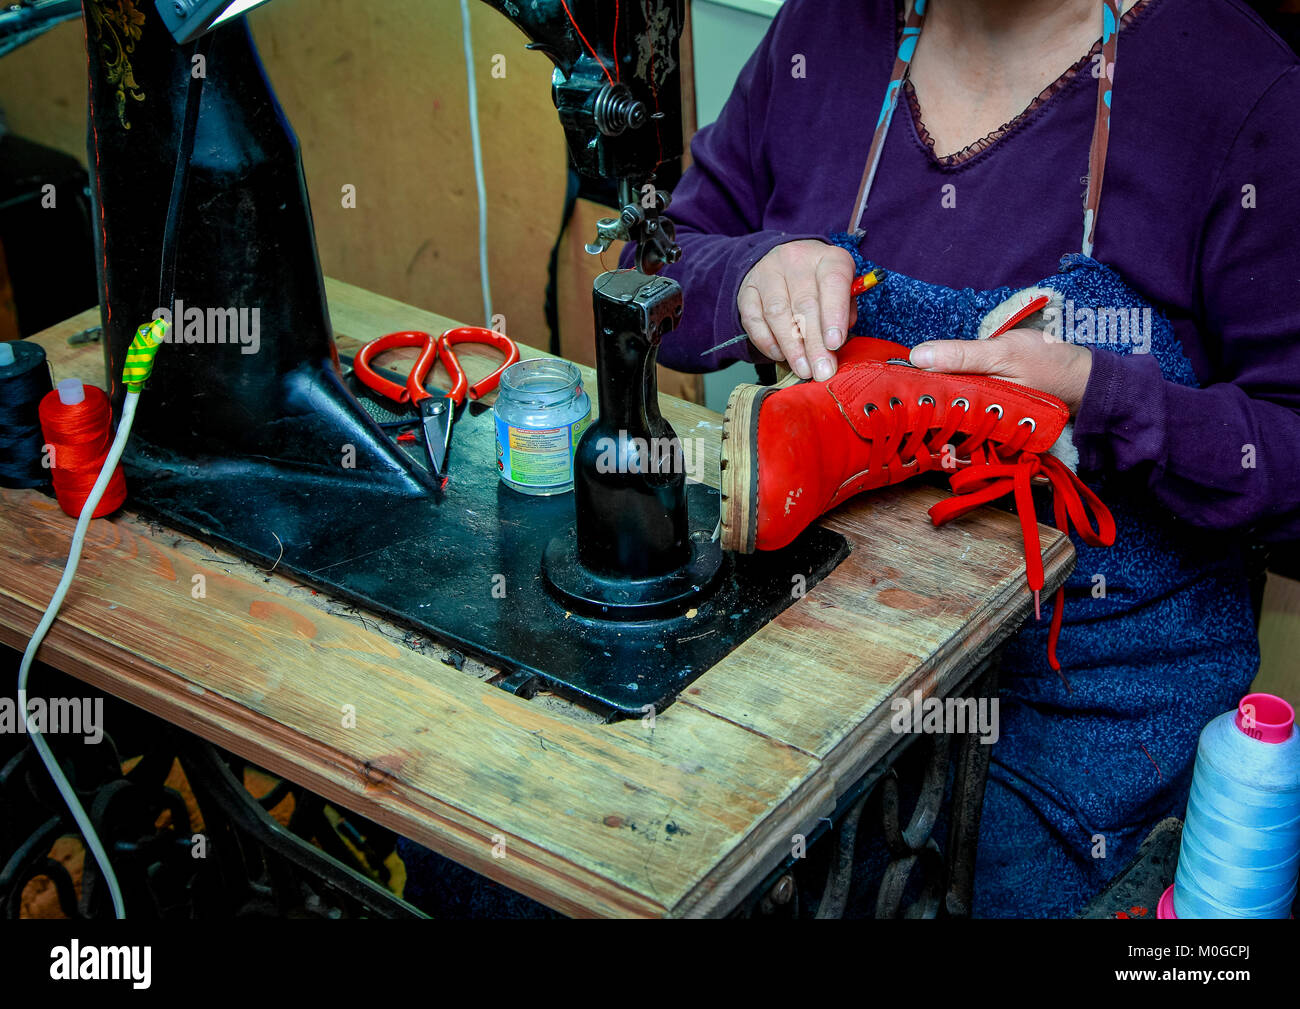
(1215, 457)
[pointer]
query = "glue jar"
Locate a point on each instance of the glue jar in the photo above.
(541, 411)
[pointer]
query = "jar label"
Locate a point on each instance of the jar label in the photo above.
(538, 458)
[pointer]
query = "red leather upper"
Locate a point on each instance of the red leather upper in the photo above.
(875, 424)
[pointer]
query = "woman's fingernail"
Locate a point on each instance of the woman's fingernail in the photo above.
(823, 370)
(834, 338)
(800, 367)
(922, 356)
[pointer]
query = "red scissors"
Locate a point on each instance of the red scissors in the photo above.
(436, 412)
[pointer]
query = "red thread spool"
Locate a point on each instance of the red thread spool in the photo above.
(80, 435)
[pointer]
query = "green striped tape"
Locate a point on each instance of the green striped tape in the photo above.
(140, 355)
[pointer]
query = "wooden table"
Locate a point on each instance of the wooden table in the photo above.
(682, 817)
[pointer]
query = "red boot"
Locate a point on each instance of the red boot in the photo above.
(794, 451)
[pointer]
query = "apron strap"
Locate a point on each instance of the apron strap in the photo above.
(1110, 17)
(911, 34)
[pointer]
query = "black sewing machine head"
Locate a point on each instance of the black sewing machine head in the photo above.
(617, 87)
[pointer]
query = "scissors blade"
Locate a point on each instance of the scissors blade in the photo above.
(435, 421)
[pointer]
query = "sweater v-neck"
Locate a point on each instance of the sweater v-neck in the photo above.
(1070, 78)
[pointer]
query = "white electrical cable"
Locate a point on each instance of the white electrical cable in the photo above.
(479, 182)
(69, 572)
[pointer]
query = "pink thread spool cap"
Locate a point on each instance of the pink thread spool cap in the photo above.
(1265, 717)
(1165, 909)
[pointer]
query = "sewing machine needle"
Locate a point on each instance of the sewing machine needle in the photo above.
(726, 343)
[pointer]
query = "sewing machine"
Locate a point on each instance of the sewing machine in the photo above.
(198, 181)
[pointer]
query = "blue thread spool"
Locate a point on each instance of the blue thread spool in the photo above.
(1241, 839)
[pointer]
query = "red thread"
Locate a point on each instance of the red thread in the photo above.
(593, 52)
(627, 269)
(79, 437)
(618, 72)
(1159, 773)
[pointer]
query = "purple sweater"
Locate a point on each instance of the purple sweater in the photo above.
(1206, 104)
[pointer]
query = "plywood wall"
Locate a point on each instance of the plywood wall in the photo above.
(377, 95)
(43, 90)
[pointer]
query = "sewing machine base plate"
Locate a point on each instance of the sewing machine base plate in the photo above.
(465, 566)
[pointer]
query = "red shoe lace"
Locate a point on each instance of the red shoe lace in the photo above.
(991, 471)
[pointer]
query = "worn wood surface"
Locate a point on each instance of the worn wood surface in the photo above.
(678, 817)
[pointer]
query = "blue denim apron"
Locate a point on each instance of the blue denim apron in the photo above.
(1158, 634)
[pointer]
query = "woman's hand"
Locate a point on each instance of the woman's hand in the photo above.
(1023, 356)
(795, 305)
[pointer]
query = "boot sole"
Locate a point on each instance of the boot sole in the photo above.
(738, 464)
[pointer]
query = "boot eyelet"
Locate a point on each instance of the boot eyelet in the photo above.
(924, 400)
(1033, 424)
(997, 408)
(894, 402)
(962, 400)
(869, 407)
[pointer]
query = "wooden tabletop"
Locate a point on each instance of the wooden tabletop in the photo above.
(681, 817)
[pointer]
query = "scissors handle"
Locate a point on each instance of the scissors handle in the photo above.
(474, 334)
(414, 390)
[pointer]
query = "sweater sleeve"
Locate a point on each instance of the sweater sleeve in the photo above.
(718, 209)
(1225, 456)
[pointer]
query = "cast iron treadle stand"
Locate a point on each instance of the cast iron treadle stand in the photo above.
(250, 864)
(946, 883)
